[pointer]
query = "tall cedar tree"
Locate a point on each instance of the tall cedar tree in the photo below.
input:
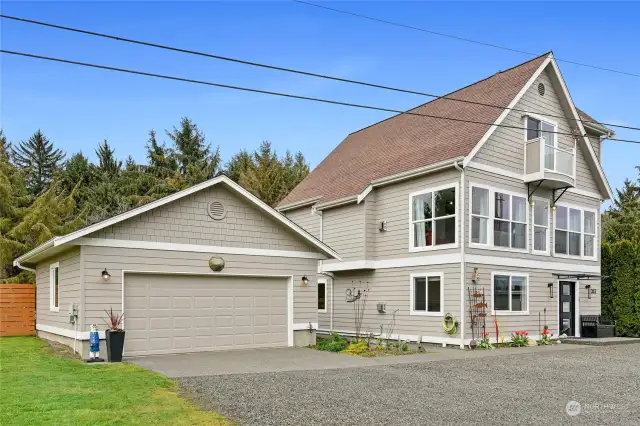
(107, 161)
(40, 161)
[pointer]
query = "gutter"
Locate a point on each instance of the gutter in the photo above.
(41, 248)
(302, 203)
(462, 253)
(17, 264)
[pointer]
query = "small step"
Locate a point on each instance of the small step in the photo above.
(603, 341)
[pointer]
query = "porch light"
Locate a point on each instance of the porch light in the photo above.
(550, 285)
(553, 207)
(305, 280)
(532, 203)
(588, 288)
(106, 275)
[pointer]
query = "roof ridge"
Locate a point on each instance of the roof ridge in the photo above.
(455, 91)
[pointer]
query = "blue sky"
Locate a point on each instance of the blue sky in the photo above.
(78, 107)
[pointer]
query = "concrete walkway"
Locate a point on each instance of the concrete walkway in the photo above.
(297, 359)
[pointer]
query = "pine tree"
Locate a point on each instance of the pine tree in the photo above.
(162, 161)
(107, 161)
(190, 145)
(78, 171)
(264, 176)
(39, 159)
(238, 165)
(295, 171)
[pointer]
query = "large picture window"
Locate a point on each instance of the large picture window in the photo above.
(433, 218)
(427, 294)
(575, 232)
(510, 293)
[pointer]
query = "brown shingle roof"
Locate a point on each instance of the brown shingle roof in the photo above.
(407, 142)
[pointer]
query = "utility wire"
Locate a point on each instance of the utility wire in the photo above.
(285, 95)
(424, 30)
(307, 73)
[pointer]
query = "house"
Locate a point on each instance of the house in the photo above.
(153, 264)
(493, 210)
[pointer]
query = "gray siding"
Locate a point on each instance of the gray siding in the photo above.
(392, 287)
(505, 148)
(539, 301)
(185, 221)
(343, 230)
(510, 184)
(596, 145)
(102, 295)
(68, 288)
(304, 218)
(392, 206)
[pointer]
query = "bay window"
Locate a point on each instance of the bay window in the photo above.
(575, 232)
(433, 218)
(541, 226)
(509, 293)
(479, 215)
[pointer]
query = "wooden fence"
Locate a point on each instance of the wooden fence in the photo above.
(17, 309)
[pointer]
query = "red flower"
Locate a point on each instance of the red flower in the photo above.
(545, 331)
(551, 334)
(526, 333)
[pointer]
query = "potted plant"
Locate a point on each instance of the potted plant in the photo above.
(114, 336)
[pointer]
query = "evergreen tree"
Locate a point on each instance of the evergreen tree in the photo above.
(264, 176)
(107, 161)
(78, 171)
(238, 165)
(295, 169)
(190, 145)
(40, 161)
(162, 161)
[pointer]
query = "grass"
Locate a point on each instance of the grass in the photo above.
(38, 387)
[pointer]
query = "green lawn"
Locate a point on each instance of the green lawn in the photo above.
(38, 387)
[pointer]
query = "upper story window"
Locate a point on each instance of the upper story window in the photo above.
(498, 218)
(54, 287)
(433, 218)
(541, 226)
(575, 232)
(539, 128)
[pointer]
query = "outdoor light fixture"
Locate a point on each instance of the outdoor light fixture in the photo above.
(553, 207)
(588, 288)
(305, 280)
(550, 285)
(106, 275)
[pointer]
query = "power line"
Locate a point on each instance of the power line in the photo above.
(285, 95)
(482, 43)
(290, 70)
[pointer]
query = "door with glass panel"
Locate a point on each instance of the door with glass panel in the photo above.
(567, 308)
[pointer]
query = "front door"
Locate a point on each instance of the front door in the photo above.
(567, 308)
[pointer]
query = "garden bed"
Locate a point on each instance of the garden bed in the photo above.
(366, 347)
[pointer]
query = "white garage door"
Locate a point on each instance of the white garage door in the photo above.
(179, 313)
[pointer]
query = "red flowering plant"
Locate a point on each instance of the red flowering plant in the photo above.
(519, 339)
(484, 343)
(545, 337)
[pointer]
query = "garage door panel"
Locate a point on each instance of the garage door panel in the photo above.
(173, 314)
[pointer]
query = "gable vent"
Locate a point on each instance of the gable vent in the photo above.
(216, 210)
(541, 89)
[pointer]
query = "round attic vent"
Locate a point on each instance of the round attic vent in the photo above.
(541, 89)
(216, 210)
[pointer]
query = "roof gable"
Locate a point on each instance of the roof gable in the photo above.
(407, 142)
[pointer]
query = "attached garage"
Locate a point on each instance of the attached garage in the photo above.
(168, 313)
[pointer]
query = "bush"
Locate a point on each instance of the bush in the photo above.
(334, 343)
(519, 339)
(358, 348)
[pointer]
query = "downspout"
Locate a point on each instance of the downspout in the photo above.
(19, 265)
(462, 252)
(327, 274)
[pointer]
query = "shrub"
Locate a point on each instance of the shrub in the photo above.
(519, 339)
(484, 343)
(358, 348)
(334, 343)
(545, 338)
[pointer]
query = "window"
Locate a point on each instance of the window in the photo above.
(510, 293)
(541, 129)
(479, 215)
(433, 218)
(575, 232)
(54, 287)
(510, 221)
(322, 296)
(541, 226)
(427, 294)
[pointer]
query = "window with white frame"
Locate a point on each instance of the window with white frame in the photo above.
(510, 293)
(575, 232)
(54, 287)
(480, 200)
(538, 128)
(433, 218)
(322, 296)
(510, 221)
(541, 226)
(427, 294)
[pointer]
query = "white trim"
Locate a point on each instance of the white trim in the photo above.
(433, 259)
(337, 203)
(582, 209)
(518, 176)
(510, 312)
(322, 281)
(544, 265)
(82, 335)
(304, 326)
(299, 204)
(152, 245)
(290, 325)
(58, 241)
(540, 118)
(426, 276)
(490, 244)
(52, 288)
(546, 252)
(456, 186)
(507, 110)
(576, 316)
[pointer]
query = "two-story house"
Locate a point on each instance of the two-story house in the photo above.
(497, 192)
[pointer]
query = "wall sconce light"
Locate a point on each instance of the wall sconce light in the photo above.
(532, 203)
(589, 291)
(550, 285)
(106, 276)
(305, 280)
(554, 208)
(383, 226)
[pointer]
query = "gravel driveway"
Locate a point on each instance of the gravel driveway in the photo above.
(527, 388)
